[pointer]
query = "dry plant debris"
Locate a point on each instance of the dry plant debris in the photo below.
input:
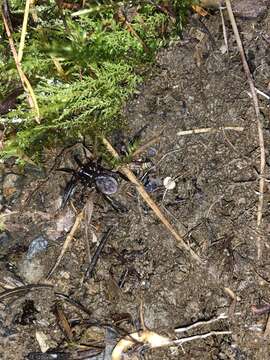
(150, 202)
(67, 242)
(209, 130)
(154, 340)
(259, 127)
(18, 57)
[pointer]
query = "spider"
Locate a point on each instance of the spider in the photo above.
(91, 174)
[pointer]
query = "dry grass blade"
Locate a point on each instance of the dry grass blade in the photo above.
(224, 30)
(21, 290)
(259, 125)
(150, 202)
(209, 130)
(63, 322)
(24, 29)
(25, 82)
(67, 242)
(89, 208)
(266, 333)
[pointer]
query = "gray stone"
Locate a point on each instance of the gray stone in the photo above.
(12, 186)
(4, 238)
(38, 245)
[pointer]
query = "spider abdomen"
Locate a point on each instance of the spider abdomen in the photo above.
(108, 185)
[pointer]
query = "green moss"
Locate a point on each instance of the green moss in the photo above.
(99, 58)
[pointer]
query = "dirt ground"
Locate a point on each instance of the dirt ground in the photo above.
(195, 84)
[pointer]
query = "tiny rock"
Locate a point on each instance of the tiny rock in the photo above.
(169, 183)
(45, 343)
(11, 185)
(31, 270)
(38, 245)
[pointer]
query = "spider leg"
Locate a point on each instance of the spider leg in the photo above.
(68, 170)
(86, 147)
(69, 190)
(116, 205)
(78, 160)
(137, 136)
(122, 176)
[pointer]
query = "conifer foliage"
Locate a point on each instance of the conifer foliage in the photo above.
(83, 60)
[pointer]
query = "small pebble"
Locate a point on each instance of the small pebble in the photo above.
(152, 152)
(12, 186)
(169, 183)
(4, 238)
(151, 185)
(31, 270)
(38, 245)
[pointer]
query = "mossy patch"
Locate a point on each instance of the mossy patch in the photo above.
(83, 64)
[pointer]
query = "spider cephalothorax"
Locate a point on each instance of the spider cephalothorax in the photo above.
(91, 174)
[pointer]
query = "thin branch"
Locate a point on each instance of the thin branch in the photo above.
(93, 263)
(259, 126)
(74, 303)
(266, 333)
(207, 130)
(89, 208)
(67, 242)
(22, 289)
(151, 203)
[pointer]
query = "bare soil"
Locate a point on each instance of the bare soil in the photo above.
(194, 84)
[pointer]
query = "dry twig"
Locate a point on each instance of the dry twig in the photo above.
(63, 322)
(67, 242)
(93, 263)
(233, 297)
(259, 125)
(89, 208)
(266, 333)
(207, 130)
(150, 202)
(20, 290)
